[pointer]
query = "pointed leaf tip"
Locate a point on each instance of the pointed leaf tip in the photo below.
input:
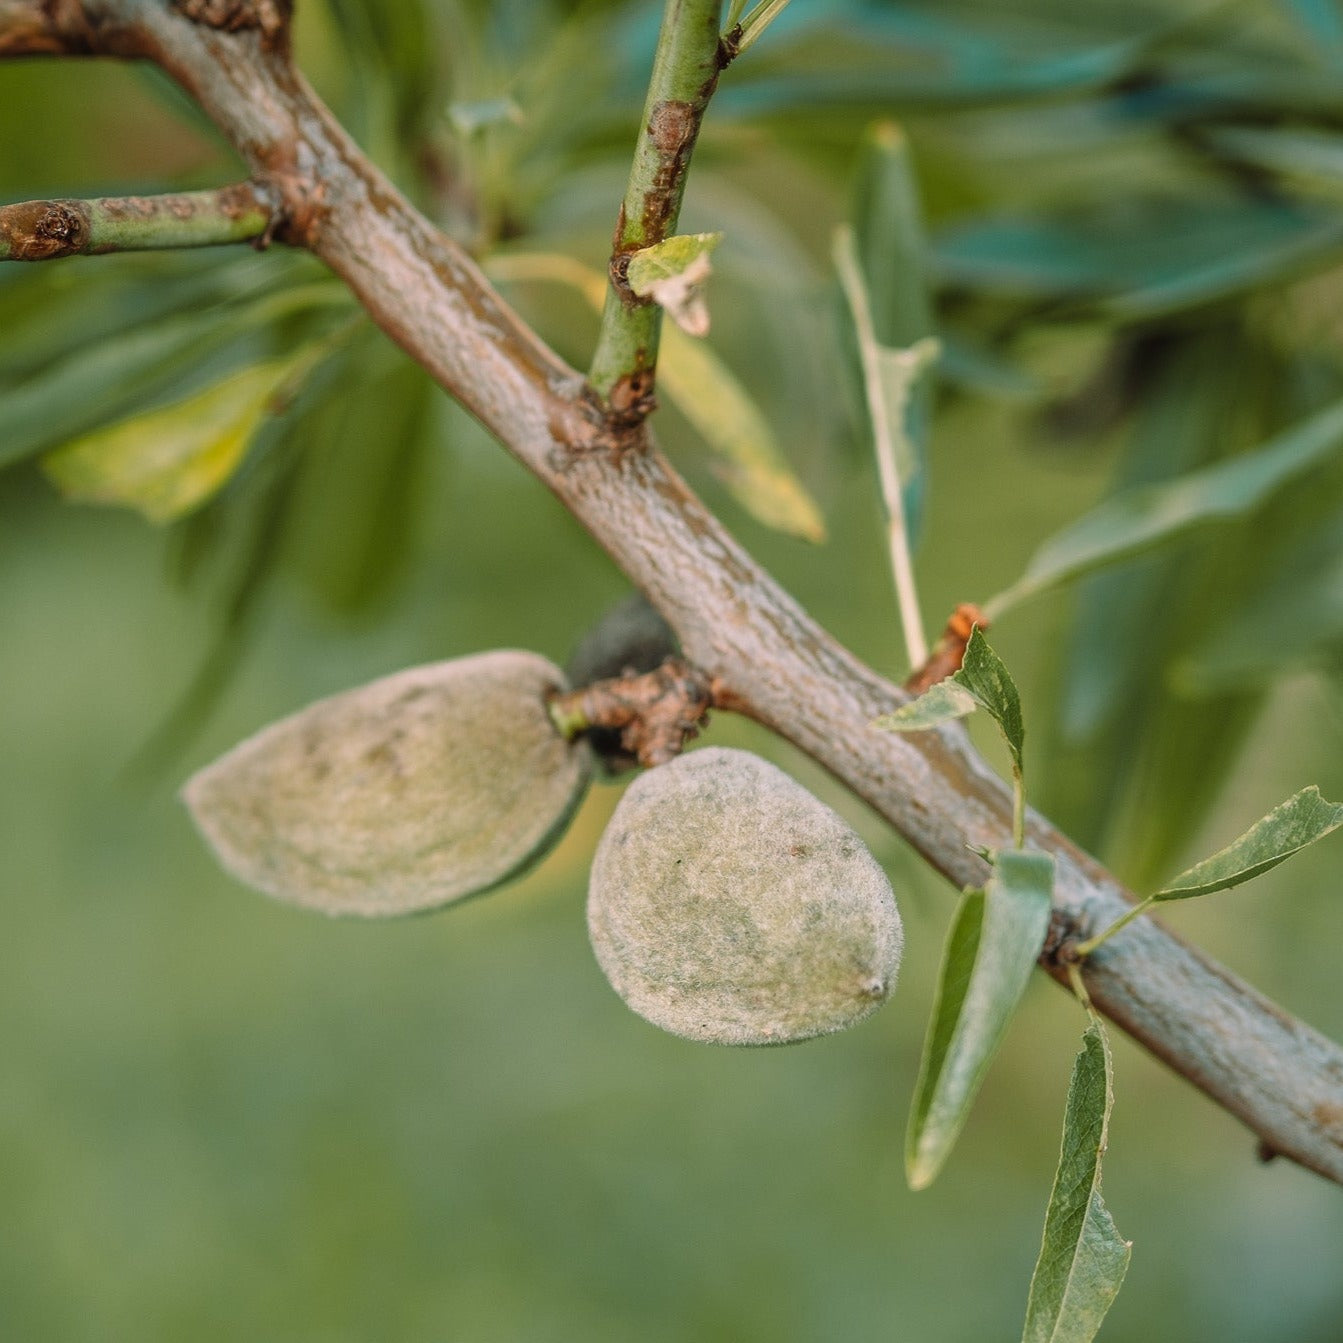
(1083, 1258)
(983, 674)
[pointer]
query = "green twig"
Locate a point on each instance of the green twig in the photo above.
(45, 230)
(685, 73)
(1090, 945)
(1018, 807)
(1079, 989)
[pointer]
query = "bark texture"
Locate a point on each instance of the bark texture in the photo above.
(766, 657)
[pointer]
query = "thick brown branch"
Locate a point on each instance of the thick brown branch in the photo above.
(767, 657)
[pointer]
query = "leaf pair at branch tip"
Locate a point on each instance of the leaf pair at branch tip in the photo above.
(982, 681)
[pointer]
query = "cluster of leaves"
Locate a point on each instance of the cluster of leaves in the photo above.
(996, 936)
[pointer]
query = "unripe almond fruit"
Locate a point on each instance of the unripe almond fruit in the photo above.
(727, 904)
(417, 789)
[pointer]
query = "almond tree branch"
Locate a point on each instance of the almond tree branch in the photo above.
(45, 230)
(766, 657)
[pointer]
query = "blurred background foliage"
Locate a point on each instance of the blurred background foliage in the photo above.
(220, 1118)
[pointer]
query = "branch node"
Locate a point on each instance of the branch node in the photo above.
(949, 651)
(656, 713)
(268, 17)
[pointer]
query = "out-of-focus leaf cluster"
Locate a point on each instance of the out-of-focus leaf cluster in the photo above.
(1130, 225)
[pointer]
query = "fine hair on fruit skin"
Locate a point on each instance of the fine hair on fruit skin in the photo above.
(729, 905)
(421, 788)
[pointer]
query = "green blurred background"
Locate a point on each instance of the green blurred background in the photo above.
(225, 1119)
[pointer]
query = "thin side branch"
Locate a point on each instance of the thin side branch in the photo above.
(883, 440)
(45, 230)
(767, 658)
(685, 73)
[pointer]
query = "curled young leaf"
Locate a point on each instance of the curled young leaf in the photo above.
(672, 273)
(423, 787)
(728, 905)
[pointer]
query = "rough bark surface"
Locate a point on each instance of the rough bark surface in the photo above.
(767, 658)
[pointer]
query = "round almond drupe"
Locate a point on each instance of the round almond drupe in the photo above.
(728, 905)
(420, 788)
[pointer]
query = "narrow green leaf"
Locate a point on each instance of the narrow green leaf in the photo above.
(1314, 156)
(983, 674)
(904, 388)
(1147, 515)
(117, 375)
(1286, 830)
(751, 464)
(1083, 1258)
(168, 461)
(938, 704)
(994, 941)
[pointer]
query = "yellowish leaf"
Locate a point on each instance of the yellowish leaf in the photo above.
(170, 460)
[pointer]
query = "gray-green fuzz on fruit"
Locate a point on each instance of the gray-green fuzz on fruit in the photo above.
(417, 789)
(729, 905)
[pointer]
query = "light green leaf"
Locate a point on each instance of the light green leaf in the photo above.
(1147, 515)
(983, 674)
(672, 273)
(168, 461)
(751, 464)
(1286, 830)
(116, 375)
(901, 376)
(994, 941)
(1083, 1258)
(940, 703)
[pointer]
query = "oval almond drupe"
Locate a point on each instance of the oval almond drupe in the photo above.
(729, 905)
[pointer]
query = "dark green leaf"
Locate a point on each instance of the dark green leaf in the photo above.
(994, 941)
(983, 674)
(1286, 830)
(1159, 256)
(1083, 1258)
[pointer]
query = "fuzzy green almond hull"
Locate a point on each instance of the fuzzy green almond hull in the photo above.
(729, 905)
(416, 790)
